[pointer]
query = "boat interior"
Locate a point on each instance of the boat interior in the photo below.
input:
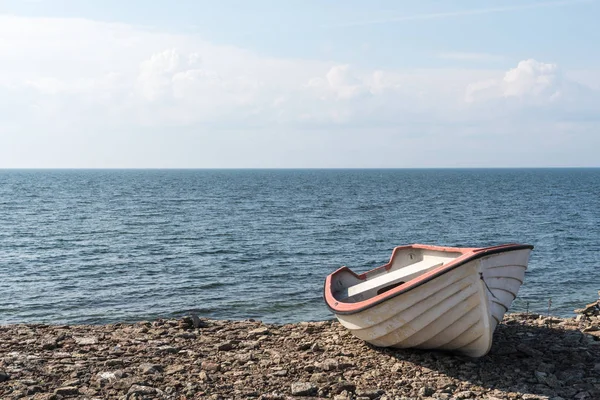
(405, 265)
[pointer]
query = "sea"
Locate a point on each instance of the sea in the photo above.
(104, 246)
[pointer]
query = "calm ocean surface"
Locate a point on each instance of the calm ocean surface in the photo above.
(97, 246)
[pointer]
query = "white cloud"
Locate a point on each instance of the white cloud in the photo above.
(105, 92)
(532, 84)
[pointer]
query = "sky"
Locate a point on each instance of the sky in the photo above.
(299, 84)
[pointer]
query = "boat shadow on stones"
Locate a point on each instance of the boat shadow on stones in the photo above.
(541, 360)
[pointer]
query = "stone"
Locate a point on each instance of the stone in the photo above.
(547, 379)
(369, 393)
(34, 389)
(585, 395)
(342, 396)
(186, 335)
(143, 390)
(66, 391)
(426, 391)
(531, 352)
(342, 386)
(210, 366)
(87, 340)
(545, 367)
(49, 343)
(329, 364)
(147, 368)
(570, 376)
(304, 389)
(106, 377)
(542, 363)
(197, 322)
(174, 369)
(225, 346)
(263, 330)
(204, 376)
(466, 394)
(315, 347)
(591, 328)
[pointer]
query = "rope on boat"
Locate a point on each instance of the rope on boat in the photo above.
(488, 288)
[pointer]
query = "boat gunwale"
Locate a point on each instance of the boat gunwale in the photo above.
(468, 255)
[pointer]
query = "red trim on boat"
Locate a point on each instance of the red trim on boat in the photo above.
(468, 254)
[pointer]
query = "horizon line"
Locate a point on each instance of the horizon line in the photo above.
(283, 168)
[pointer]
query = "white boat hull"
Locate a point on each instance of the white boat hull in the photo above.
(456, 311)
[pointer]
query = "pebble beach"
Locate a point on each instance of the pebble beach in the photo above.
(533, 357)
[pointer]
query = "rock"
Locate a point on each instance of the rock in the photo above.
(210, 366)
(531, 352)
(86, 340)
(140, 389)
(34, 389)
(66, 391)
(186, 335)
(426, 391)
(342, 396)
(315, 347)
(585, 395)
(544, 367)
(342, 386)
(466, 394)
(106, 377)
(72, 382)
(369, 393)
(589, 309)
(225, 346)
(49, 343)
(197, 323)
(591, 328)
(319, 377)
(541, 363)
(570, 376)
(304, 346)
(244, 357)
(174, 369)
(304, 389)
(167, 350)
(329, 365)
(547, 379)
(552, 320)
(148, 368)
(204, 376)
(259, 331)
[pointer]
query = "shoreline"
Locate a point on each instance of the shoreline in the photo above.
(532, 357)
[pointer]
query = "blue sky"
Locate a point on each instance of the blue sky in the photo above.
(299, 83)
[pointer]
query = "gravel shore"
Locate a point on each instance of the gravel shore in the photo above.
(533, 357)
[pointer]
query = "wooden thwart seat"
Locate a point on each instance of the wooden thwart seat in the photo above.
(360, 290)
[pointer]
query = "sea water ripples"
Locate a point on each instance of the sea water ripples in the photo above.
(97, 246)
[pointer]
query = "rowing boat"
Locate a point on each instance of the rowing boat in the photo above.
(430, 297)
